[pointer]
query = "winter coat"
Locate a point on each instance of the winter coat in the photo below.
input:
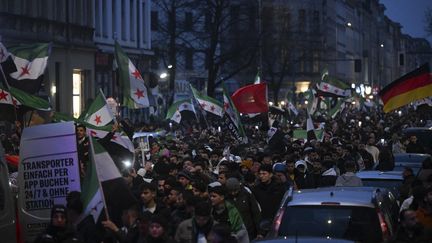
(269, 197)
(349, 179)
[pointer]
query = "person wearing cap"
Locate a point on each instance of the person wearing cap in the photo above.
(243, 199)
(185, 179)
(304, 179)
(58, 230)
(224, 212)
(268, 192)
(197, 228)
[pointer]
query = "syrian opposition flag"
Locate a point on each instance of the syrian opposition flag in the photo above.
(31, 62)
(333, 111)
(103, 185)
(232, 119)
(251, 99)
(310, 129)
(292, 108)
(327, 89)
(99, 114)
(208, 103)
(177, 111)
(312, 101)
(135, 92)
(99, 120)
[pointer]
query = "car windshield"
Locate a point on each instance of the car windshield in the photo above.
(343, 222)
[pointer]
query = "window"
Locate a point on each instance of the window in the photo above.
(154, 20)
(188, 21)
(301, 19)
(76, 92)
(189, 59)
(316, 21)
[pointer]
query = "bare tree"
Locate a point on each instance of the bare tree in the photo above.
(226, 41)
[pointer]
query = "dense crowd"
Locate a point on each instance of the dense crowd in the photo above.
(198, 184)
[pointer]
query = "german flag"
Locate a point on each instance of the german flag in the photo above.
(408, 88)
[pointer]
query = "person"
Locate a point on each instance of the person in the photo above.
(158, 231)
(130, 231)
(85, 226)
(268, 192)
(349, 178)
(58, 230)
(197, 228)
(424, 211)
(83, 148)
(220, 233)
(304, 179)
(372, 149)
(413, 146)
(149, 200)
(410, 230)
(246, 204)
(224, 212)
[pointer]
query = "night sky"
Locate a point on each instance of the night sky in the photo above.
(410, 14)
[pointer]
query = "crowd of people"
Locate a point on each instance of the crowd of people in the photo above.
(198, 184)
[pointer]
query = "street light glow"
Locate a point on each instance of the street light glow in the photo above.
(163, 75)
(169, 66)
(282, 103)
(382, 45)
(349, 24)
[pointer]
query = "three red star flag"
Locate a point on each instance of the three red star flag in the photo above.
(251, 99)
(135, 94)
(410, 87)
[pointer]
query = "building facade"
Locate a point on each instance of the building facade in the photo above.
(83, 34)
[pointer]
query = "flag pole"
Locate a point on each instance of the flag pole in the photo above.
(97, 175)
(199, 105)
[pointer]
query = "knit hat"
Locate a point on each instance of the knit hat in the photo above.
(246, 163)
(157, 219)
(58, 209)
(232, 184)
(279, 167)
(221, 190)
(184, 174)
(300, 162)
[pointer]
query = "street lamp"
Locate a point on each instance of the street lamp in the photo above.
(170, 66)
(382, 45)
(349, 24)
(270, 103)
(163, 75)
(282, 103)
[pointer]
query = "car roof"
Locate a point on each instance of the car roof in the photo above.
(303, 239)
(381, 175)
(412, 129)
(344, 196)
(410, 157)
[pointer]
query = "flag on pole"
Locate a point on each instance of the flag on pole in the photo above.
(99, 114)
(208, 103)
(135, 92)
(326, 89)
(251, 99)
(312, 101)
(20, 97)
(292, 108)
(310, 129)
(412, 86)
(333, 111)
(104, 186)
(232, 118)
(30, 61)
(176, 109)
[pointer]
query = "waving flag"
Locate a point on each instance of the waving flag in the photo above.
(208, 103)
(135, 93)
(30, 61)
(232, 119)
(175, 110)
(99, 114)
(251, 99)
(327, 89)
(103, 185)
(412, 86)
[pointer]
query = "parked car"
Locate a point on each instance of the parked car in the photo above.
(304, 240)
(365, 214)
(414, 161)
(391, 180)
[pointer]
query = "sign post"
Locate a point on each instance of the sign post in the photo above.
(48, 171)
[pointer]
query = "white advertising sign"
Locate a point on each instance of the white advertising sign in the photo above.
(48, 171)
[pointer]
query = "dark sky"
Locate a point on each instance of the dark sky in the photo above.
(410, 14)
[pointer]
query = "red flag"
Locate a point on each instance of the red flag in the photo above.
(251, 98)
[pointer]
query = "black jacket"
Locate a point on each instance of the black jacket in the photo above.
(269, 197)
